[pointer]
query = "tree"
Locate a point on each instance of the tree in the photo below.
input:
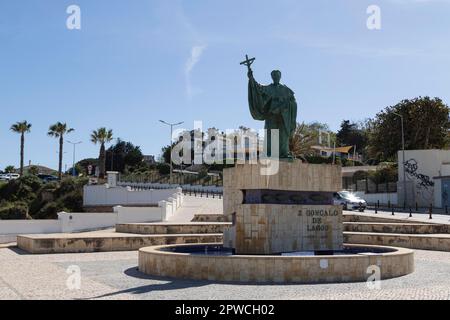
(307, 135)
(84, 164)
(351, 134)
(165, 153)
(21, 128)
(58, 130)
(33, 170)
(123, 155)
(10, 169)
(102, 136)
(426, 123)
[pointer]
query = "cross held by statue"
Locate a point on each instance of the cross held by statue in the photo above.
(248, 62)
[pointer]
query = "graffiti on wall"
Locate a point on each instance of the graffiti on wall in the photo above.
(423, 182)
(411, 168)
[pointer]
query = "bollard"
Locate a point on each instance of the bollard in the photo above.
(376, 209)
(393, 211)
(417, 206)
(410, 212)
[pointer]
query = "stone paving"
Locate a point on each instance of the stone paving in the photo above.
(114, 276)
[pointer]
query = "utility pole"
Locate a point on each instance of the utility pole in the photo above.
(334, 152)
(171, 125)
(405, 194)
(74, 149)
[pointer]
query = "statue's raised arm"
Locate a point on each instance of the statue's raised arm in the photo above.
(276, 105)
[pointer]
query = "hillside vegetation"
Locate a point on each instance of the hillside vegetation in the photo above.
(29, 198)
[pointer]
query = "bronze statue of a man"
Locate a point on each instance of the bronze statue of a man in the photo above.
(276, 105)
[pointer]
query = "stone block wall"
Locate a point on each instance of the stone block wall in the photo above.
(270, 228)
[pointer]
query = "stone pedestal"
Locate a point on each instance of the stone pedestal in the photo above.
(291, 210)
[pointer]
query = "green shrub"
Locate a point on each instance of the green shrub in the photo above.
(318, 159)
(360, 175)
(13, 210)
(384, 175)
(163, 168)
(28, 195)
(23, 189)
(203, 173)
(72, 202)
(53, 185)
(49, 211)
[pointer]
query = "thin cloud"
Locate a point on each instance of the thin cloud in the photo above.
(196, 54)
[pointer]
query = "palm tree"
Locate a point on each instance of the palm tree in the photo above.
(10, 169)
(102, 136)
(58, 130)
(22, 128)
(304, 137)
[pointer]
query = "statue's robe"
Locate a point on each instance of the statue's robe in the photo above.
(276, 105)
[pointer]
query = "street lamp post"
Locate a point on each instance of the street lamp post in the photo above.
(404, 159)
(171, 125)
(74, 146)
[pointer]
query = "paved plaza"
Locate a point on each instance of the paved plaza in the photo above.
(114, 276)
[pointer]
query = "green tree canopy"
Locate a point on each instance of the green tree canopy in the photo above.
(426, 123)
(123, 155)
(351, 134)
(10, 169)
(307, 135)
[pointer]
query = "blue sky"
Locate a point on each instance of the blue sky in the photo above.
(135, 62)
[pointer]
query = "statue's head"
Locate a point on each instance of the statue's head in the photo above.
(276, 76)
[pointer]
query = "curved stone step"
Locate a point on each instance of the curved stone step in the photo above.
(399, 228)
(172, 228)
(435, 242)
(209, 218)
(104, 242)
(360, 217)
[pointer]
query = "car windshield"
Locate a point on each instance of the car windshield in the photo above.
(348, 195)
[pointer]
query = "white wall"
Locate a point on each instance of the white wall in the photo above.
(384, 198)
(77, 222)
(29, 226)
(103, 195)
(9, 229)
(185, 187)
(140, 214)
(423, 167)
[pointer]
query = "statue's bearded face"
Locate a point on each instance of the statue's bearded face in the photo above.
(276, 76)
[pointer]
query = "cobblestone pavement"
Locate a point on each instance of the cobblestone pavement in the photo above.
(114, 276)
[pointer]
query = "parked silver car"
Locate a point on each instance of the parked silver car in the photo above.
(9, 176)
(349, 201)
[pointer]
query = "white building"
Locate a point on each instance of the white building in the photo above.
(427, 175)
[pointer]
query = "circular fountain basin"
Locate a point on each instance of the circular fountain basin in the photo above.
(356, 263)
